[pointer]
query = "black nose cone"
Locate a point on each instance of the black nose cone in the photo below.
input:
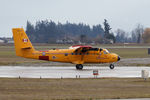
(118, 58)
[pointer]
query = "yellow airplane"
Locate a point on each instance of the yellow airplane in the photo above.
(75, 54)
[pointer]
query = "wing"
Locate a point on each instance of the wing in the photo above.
(81, 49)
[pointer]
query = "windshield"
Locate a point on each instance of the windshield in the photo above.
(106, 51)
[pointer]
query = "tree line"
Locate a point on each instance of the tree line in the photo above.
(138, 35)
(46, 31)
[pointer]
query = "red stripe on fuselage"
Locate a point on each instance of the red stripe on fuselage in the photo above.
(43, 57)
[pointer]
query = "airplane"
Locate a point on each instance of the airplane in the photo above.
(78, 54)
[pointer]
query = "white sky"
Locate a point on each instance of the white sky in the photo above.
(124, 14)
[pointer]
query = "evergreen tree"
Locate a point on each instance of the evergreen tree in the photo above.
(107, 29)
(49, 32)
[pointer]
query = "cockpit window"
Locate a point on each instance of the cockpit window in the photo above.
(105, 52)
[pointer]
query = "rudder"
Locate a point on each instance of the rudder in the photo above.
(21, 41)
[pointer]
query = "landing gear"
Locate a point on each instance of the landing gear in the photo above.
(79, 66)
(111, 66)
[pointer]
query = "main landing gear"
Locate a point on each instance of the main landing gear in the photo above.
(111, 66)
(79, 66)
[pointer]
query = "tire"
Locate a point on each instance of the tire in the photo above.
(79, 66)
(111, 66)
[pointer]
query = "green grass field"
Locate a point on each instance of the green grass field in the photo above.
(8, 57)
(131, 52)
(59, 89)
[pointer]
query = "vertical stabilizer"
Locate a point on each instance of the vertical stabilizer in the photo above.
(22, 43)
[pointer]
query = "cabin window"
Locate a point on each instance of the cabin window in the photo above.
(101, 49)
(66, 54)
(93, 49)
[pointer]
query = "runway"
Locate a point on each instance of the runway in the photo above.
(69, 72)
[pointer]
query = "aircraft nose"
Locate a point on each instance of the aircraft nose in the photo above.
(118, 58)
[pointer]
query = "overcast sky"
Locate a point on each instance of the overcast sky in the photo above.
(124, 14)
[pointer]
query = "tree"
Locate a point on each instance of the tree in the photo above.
(97, 30)
(30, 31)
(83, 38)
(121, 36)
(46, 31)
(99, 39)
(107, 29)
(137, 33)
(146, 35)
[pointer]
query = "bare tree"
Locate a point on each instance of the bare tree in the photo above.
(137, 33)
(146, 35)
(121, 36)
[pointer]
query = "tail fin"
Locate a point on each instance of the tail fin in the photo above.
(22, 43)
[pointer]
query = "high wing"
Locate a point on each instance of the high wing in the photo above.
(80, 49)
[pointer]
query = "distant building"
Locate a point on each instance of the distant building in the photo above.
(59, 41)
(6, 40)
(10, 41)
(1, 41)
(65, 41)
(108, 41)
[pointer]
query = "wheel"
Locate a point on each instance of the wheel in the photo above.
(111, 66)
(79, 66)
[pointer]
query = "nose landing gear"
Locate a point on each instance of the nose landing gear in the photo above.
(111, 66)
(79, 66)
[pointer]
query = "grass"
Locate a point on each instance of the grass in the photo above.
(8, 57)
(131, 52)
(46, 89)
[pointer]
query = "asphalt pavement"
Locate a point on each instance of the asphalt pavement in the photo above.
(69, 72)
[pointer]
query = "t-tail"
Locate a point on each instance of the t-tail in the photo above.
(22, 43)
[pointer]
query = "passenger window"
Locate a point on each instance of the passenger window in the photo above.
(66, 54)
